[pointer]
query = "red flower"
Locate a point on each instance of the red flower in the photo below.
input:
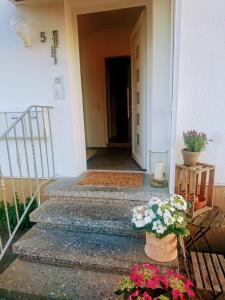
(188, 283)
(175, 294)
(147, 296)
(135, 294)
(137, 279)
(165, 281)
(191, 293)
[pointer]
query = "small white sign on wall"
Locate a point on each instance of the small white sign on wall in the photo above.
(59, 87)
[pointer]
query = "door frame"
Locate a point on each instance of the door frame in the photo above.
(72, 16)
(141, 22)
(74, 72)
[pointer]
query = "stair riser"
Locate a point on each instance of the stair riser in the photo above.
(126, 232)
(122, 268)
(107, 268)
(103, 201)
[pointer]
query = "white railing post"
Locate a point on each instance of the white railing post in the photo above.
(23, 160)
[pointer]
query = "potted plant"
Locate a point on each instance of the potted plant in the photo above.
(195, 143)
(162, 220)
(147, 283)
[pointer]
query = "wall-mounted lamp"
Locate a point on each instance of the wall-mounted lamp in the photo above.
(23, 29)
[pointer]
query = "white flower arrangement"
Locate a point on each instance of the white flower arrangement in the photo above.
(162, 217)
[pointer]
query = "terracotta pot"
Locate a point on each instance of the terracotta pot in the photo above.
(200, 202)
(161, 250)
(190, 158)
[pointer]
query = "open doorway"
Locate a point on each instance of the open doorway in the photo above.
(119, 106)
(113, 86)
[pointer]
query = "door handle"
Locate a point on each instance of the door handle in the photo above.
(128, 103)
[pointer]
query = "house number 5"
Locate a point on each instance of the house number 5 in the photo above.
(43, 37)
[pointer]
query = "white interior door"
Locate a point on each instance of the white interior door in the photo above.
(138, 62)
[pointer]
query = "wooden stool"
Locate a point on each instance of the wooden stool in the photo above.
(196, 185)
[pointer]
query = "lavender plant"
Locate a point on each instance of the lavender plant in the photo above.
(195, 141)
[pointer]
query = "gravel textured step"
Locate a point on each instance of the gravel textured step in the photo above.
(33, 281)
(64, 188)
(91, 251)
(81, 216)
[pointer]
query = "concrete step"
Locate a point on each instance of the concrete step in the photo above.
(86, 216)
(67, 188)
(107, 253)
(34, 281)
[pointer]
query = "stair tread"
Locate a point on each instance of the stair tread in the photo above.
(89, 250)
(99, 251)
(69, 187)
(31, 280)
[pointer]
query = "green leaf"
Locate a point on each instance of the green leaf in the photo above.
(118, 292)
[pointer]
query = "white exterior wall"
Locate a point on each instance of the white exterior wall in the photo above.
(26, 74)
(201, 94)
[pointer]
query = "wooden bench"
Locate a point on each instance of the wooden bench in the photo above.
(209, 272)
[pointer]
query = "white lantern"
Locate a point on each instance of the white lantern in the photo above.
(23, 29)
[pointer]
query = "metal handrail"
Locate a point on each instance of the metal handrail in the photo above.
(21, 117)
(29, 157)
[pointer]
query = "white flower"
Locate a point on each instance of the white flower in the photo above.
(178, 202)
(139, 216)
(180, 219)
(159, 212)
(154, 200)
(172, 209)
(137, 209)
(158, 227)
(149, 213)
(168, 219)
(139, 223)
(138, 212)
(148, 216)
(161, 229)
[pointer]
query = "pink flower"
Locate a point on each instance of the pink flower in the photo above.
(165, 281)
(175, 294)
(135, 294)
(137, 279)
(180, 276)
(150, 284)
(191, 293)
(188, 283)
(147, 296)
(171, 272)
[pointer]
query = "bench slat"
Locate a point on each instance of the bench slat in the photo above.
(207, 221)
(212, 274)
(216, 223)
(197, 272)
(204, 272)
(223, 223)
(219, 271)
(222, 261)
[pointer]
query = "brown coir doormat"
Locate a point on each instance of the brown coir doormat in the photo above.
(113, 179)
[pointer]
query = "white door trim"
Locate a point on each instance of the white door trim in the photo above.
(141, 23)
(175, 28)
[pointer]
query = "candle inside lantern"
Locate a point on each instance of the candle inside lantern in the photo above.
(159, 170)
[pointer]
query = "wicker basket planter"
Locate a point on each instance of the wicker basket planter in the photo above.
(161, 250)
